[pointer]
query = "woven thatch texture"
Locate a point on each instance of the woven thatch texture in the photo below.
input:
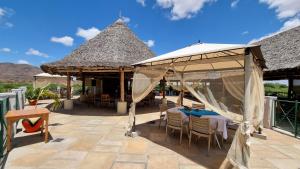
(282, 51)
(115, 46)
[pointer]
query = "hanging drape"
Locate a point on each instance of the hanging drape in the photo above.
(144, 81)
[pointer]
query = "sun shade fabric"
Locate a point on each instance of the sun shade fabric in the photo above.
(217, 79)
(144, 81)
(44, 79)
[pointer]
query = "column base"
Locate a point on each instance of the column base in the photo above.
(122, 108)
(68, 104)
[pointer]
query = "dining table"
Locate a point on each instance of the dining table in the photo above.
(217, 121)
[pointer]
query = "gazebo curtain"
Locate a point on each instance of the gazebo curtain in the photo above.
(144, 81)
(220, 91)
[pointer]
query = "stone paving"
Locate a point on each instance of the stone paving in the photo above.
(93, 138)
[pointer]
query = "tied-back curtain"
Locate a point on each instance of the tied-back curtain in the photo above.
(144, 81)
(257, 97)
(239, 152)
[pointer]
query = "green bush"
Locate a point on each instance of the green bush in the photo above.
(6, 87)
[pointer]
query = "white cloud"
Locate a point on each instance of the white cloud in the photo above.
(245, 33)
(2, 12)
(5, 50)
(182, 9)
(234, 3)
(125, 19)
(23, 62)
(294, 22)
(65, 40)
(142, 2)
(88, 34)
(284, 8)
(149, 43)
(5, 14)
(35, 52)
(9, 25)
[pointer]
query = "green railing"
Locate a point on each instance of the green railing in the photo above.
(287, 116)
(4, 107)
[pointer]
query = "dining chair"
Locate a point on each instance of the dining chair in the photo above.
(201, 128)
(175, 122)
(105, 99)
(162, 108)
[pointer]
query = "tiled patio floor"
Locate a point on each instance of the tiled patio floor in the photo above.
(93, 138)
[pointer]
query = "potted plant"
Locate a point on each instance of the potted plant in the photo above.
(32, 95)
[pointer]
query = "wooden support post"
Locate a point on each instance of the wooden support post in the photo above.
(290, 89)
(83, 84)
(122, 89)
(68, 86)
(164, 87)
(182, 91)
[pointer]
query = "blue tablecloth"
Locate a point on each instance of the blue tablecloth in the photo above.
(197, 112)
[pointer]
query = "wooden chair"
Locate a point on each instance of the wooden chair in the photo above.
(162, 108)
(175, 122)
(105, 99)
(198, 106)
(201, 128)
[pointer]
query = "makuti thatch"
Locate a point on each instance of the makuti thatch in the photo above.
(282, 54)
(114, 47)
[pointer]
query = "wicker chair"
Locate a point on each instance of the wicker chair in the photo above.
(162, 108)
(201, 128)
(175, 122)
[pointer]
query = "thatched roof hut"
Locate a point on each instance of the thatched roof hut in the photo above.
(282, 55)
(107, 55)
(114, 47)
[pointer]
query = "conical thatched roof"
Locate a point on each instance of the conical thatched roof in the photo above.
(282, 51)
(114, 47)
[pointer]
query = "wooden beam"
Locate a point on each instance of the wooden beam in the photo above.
(122, 88)
(83, 84)
(164, 87)
(68, 86)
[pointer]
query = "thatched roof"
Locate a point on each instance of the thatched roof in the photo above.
(114, 47)
(282, 51)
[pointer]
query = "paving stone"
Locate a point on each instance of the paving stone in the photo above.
(128, 166)
(162, 161)
(132, 158)
(98, 160)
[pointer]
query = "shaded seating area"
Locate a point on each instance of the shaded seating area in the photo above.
(225, 78)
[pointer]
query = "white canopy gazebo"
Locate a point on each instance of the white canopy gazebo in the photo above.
(43, 79)
(227, 78)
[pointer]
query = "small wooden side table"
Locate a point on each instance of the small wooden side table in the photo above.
(15, 115)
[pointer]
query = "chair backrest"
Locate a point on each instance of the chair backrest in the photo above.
(163, 108)
(198, 106)
(105, 97)
(174, 119)
(200, 125)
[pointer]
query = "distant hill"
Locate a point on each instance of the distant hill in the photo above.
(10, 72)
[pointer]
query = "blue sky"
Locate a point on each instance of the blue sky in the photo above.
(39, 31)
